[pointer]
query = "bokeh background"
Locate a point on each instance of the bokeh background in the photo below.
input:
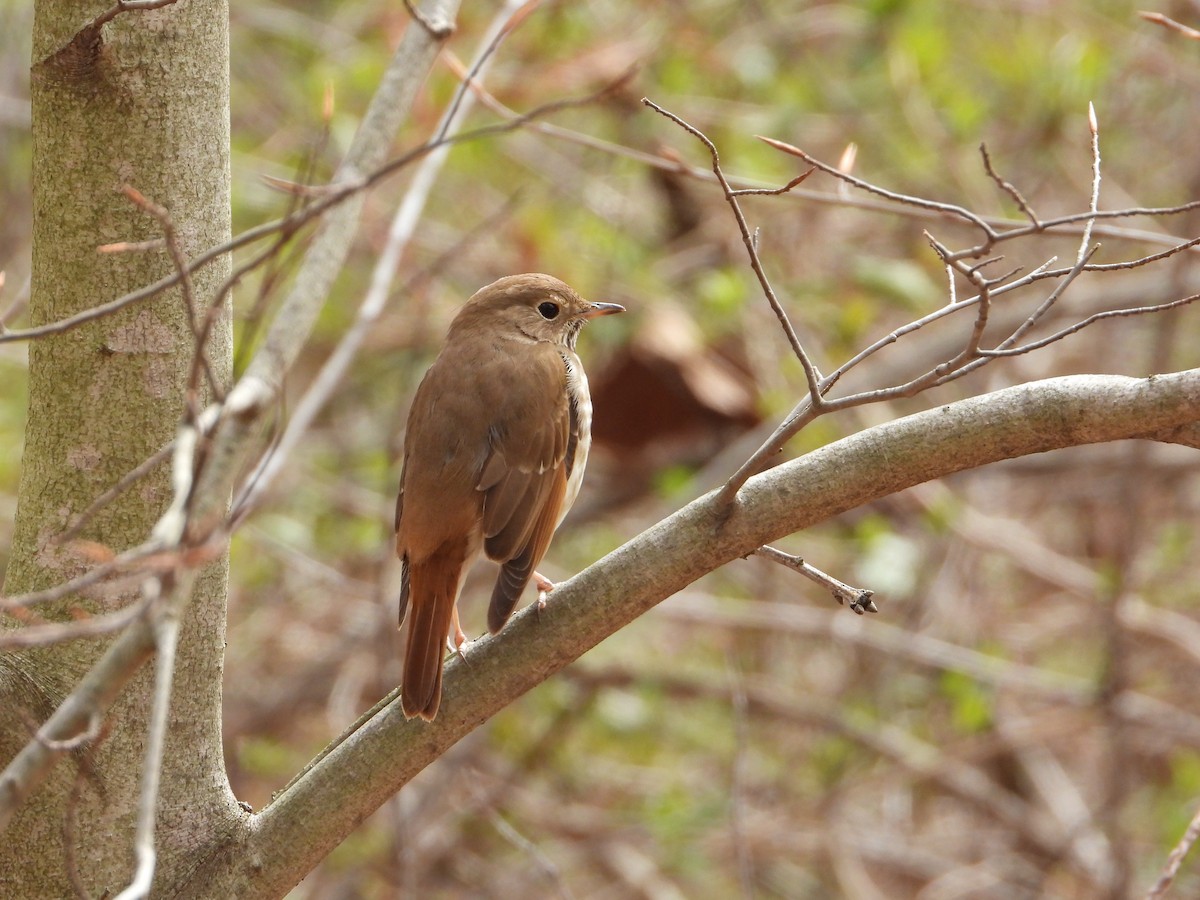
(1021, 717)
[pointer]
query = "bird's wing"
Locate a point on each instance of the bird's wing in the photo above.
(527, 448)
(525, 475)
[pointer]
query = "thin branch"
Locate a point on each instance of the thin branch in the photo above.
(949, 209)
(128, 480)
(330, 198)
(332, 195)
(1127, 264)
(1085, 252)
(94, 694)
(811, 375)
(771, 192)
(1175, 859)
(983, 300)
(1090, 320)
(1005, 227)
(58, 632)
(124, 6)
(1094, 199)
(1170, 24)
(149, 291)
(1008, 188)
(997, 230)
(200, 360)
(149, 557)
(802, 414)
(859, 599)
(95, 725)
(967, 360)
(166, 637)
(506, 19)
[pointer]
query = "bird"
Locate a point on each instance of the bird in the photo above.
(494, 452)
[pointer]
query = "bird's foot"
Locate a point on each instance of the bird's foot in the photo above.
(457, 641)
(544, 586)
(456, 638)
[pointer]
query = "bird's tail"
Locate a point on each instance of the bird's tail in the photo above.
(433, 592)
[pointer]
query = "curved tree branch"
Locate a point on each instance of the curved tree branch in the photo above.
(365, 767)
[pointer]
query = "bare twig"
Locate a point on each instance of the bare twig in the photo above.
(138, 560)
(130, 478)
(1091, 320)
(858, 599)
(1085, 251)
(1170, 24)
(771, 192)
(94, 694)
(166, 635)
(1175, 859)
(1008, 188)
(996, 229)
(94, 726)
(335, 194)
(811, 375)
(200, 360)
(125, 6)
(56, 632)
(948, 209)
(1005, 228)
(973, 355)
(1127, 264)
(288, 225)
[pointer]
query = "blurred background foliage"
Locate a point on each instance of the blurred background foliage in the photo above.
(1020, 719)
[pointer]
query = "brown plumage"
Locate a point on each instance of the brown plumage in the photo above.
(497, 440)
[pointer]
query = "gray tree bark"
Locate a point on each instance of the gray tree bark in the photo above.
(147, 106)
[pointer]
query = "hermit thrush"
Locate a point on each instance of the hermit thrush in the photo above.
(497, 440)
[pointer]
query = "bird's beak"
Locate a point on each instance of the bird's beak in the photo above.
(603, 309)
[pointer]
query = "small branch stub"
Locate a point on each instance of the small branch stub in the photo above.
(858, 599)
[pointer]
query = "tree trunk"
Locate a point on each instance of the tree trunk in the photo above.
(147, 106)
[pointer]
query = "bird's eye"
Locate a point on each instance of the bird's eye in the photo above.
(548, 310)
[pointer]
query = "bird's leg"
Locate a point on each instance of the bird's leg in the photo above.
(544, 586)
(456, 640)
